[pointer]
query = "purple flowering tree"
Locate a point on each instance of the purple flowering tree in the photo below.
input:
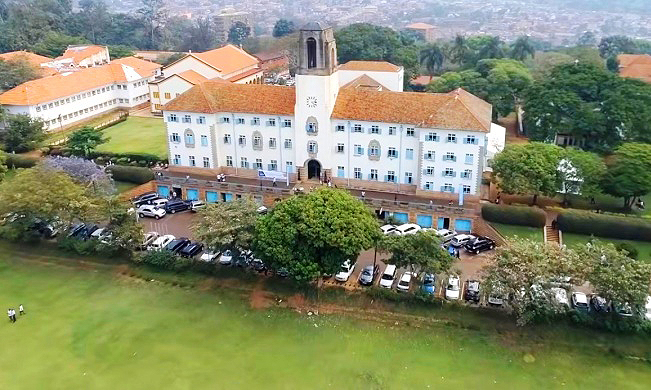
(84, 172)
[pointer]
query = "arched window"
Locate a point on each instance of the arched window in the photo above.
(312, 126)
(374, 150)
(311, 53)
(189, 137)
(312, 147)
(257, 140)
(333, 58)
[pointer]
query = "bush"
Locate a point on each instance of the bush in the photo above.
(122, 161)
(100, 161)
(45, 150)
(628, 248)
(137, 175)
(514, 215)
(165, 259)
(589, 223)
(19, 161)
(149, 159)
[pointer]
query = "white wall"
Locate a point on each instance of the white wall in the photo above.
(191, 63)
(496, 140)
(392, 80)
(173, 85)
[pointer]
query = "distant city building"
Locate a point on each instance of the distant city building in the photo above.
(85, 56)
(426, 31)
(276, 63)
(37, 61)
(635, 66)
(225, 20)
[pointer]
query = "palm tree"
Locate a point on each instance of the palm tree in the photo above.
(432, 58)
(522, 48)
(492, 48)
(459, 50)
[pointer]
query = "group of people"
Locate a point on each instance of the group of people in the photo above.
(454, 252)
(12, 313)
(221, 178)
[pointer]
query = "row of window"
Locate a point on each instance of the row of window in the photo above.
(452, 138)
(167, 95)
(188, 138)
(448, 172)
(200, 120)
(85, 95)
(75, 114)
(255, 121)
(191, 161)
(257, 141)
(410, 132)
(446, 187)
(258, 164)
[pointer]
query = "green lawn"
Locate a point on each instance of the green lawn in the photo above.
(89, 328)
(137, 135)
(643, 247)
(123, 186)
(510, 231)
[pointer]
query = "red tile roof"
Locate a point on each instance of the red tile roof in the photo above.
(371, 66)
(227, 59)
(79, 53)
(192, 77)
(244, 75)
(33, 59)
(635, 66)
(143, 67)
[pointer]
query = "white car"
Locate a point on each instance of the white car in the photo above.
(346, 270)
(226, 258)
(147, 239)
(388, 276)
(559, 295)
(408, 228)
(161, 242)
(388, 229)
(647, 308)
(405, 281)
(453, 290)
(160, 203)
(210, 255)
(147, 210)
(445, 234)
(197, 205)
(461, 239)
(496, 297)
(580, 301)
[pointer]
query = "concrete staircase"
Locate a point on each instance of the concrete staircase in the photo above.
(482, 228)
(552, 235)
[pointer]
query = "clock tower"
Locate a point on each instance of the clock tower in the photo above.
(317, 86)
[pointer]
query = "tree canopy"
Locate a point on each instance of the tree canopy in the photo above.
(420, 252)
(227, 224)
(22, 134)
(238, 33)
(16, 72)
(283, 27)
(84, 141)
(629, 173)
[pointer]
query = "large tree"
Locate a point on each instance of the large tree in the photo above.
(84, 141)
(629, 173)
(227, 224)
(238, 33)
(314, 234)
(432, 57)
(83, 172)
(153, 14)
(283, 27)
(22, 134)
(528, 169)
(16, 72)
(459, 50)
(615, 45)
(3, 165)
(492, 48)
(420, 252)
(522, 48)
(54, 43)
(581, 172)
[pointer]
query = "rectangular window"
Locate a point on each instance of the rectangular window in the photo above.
(390, 177)
(409, 154)
(340, 148)
(273, 165)
(227, 138)
(466, 189)
(452, 138)
(187, 119)
(466, 174)
(177, 159)
(409, 179)
(189, 139)
(204, 140)
(168, 95)
(171, 117)
(288, 143)
(244, 163)
(289, 166)
(271, 122)
(120, 87)
(240, 121)
(68, 100)
(373, 174)
(206, 162)
(392, 130)
(428, 186)
(229, 161)
(432, 137)
(449, 172)
(257, 141)
(358, 173)
(287, 123)
(242, 140)
(255, 121)
(470, 158)
(311, 127)
(258, 163)
(375, 129)
(340, 128)
(201, 120)
(175, 137)
(470, 140)
(272, 143)
(311, 147)
(429, 171)
(373, 151)
(225, 119)
(358, 150)
(357, 129)
(392, 153)
(449, 156)
(341, 172)
(429, 155)
(156, 95)
(447, 187)
(411, 132)
(193, 163)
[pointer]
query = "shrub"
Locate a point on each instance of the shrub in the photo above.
(137, 175)
(165, 259)
(19, 161)
(45, 150)
(133, 163)
(122, 161)
(589, 223)
(514, 215)
(100, 161)
(628, 248)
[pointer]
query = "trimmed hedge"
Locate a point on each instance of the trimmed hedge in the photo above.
(19, 161)
(514, 215)
(589, 223)
(143, 158)
(137, 175)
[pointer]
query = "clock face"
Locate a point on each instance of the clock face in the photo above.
(311, 101)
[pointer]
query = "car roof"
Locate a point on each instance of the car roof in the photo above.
(407, 226)
(580, 297)
(390, 269)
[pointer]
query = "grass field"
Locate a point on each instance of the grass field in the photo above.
(510, 231)
(123, 186)
(136, 135)
(88, 327)
(643, 247)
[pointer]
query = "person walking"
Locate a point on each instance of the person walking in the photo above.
(274, 183)
(21, 309)
(457, 253)
(363, 194)
(9, 315)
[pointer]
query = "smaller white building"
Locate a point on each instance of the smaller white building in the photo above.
(388, 75)
(86, 56)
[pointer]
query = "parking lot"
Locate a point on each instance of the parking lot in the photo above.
(467, 267)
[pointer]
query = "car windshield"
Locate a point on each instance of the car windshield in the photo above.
(473, 286)
(344, 268)
(428, 282)
(366, 272)
(404, 283)
(387, 276)
(453, 286)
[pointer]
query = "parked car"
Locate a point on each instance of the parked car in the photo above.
(145, 198)
(46, 229)
(471, 293)
(243, 260)
(148, 238)
(622, 309)
(177, 244)
(161, 242)
(647, 308)
(404, 284)
(176, 205)
(160, 202)
(496, 296)
(226, 257)
(429, 284)
(76, 229)
(147, 210)
(388, 276)
(408, 228)
(262, 210)
(191, 250)
(452, 291)
(461, 239)
(479, 244)
(197, 205)
(368, 275)
(210, 255)
(559, 295)
(599, 304)
(85, 232)
(345, 271)
(579, 301)
(103, 235)
(282, 272)
(445, 234)
(388, 229)
(258, 265)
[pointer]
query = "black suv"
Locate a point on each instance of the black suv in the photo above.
(479, 244)
(191, 249)
(175, 205)
(145, 198)
(472, 291)
(177, 244)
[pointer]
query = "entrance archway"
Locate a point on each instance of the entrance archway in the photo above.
(313, 169)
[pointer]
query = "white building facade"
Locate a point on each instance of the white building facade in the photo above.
(355, 136)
